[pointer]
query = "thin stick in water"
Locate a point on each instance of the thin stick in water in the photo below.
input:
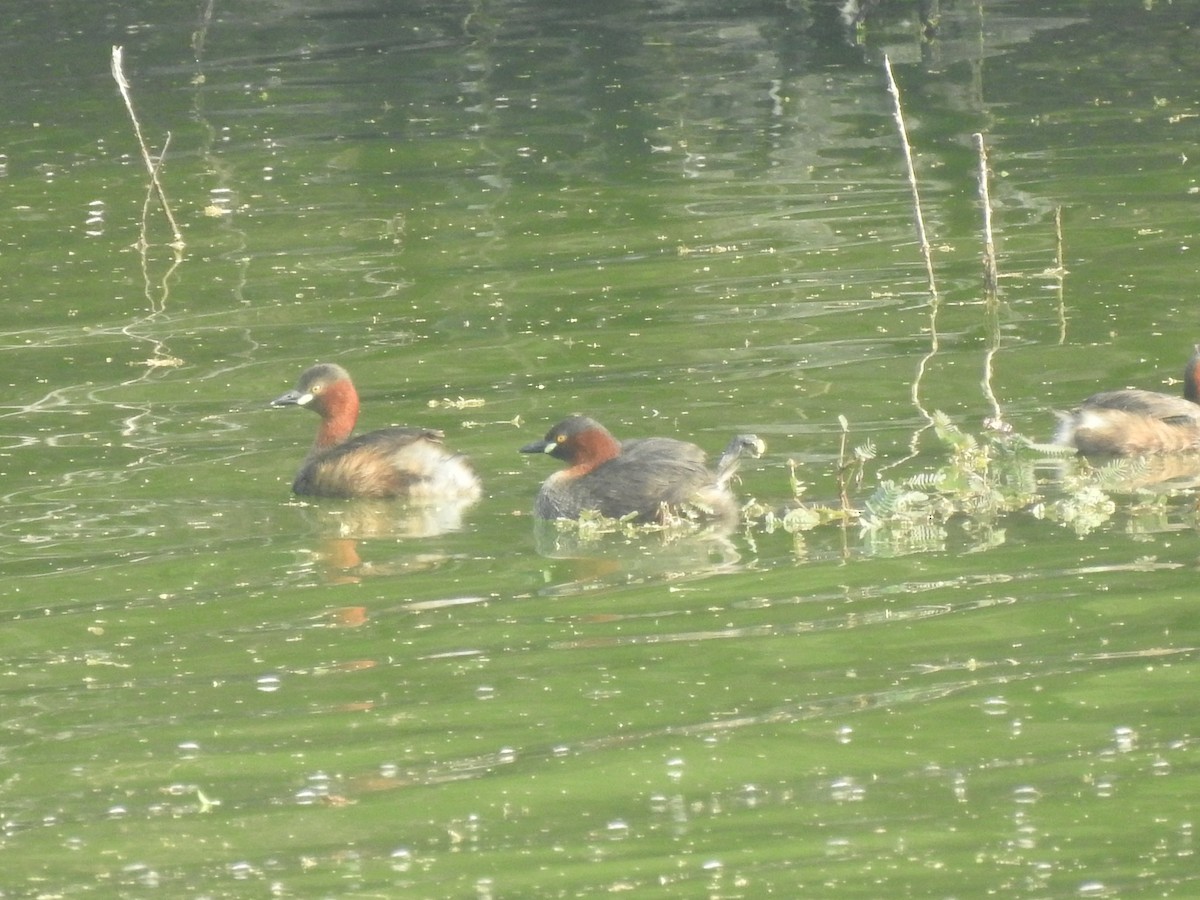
(1058, 240)
(1060, 273)
(923, 240)
(118, 73)
(990, 272)
(919, 219)
(990, 289)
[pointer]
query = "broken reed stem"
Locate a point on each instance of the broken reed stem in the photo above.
(990, 276)
(118, 73)
(919, 219)
(1060, 271)
(996, 420)
(923, 240)
(990, 286)
(843, 490)
(1058, 240)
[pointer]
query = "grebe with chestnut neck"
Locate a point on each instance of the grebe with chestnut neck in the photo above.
(1132, 422)
(392, 463)
(648, 479)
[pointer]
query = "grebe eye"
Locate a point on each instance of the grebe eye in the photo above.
(560, 439)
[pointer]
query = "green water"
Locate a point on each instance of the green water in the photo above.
(684, 219)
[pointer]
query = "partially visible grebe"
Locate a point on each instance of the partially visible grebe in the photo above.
(651, 478)
(407, 463)
(1131, 422)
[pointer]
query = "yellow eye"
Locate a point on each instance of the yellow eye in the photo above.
(559, 439)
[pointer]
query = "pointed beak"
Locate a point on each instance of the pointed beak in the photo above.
(292, 398)
(538, 447)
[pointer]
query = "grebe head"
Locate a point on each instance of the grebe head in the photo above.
(579, 441)
(327, 390)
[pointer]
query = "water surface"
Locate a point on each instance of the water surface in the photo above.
(685, 219)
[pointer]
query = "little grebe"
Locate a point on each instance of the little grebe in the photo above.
(650, 478)
(1131, 422)
(408, 463)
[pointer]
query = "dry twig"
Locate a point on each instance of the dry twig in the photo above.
(118, 73)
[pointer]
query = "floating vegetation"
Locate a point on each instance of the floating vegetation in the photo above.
(966, 500)
(979, 484)
(457, 403)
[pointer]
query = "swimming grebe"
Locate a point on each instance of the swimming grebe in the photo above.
(1130, 422)
(408, 463)
(650, 478)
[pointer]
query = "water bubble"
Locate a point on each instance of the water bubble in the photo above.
(847, 790)
(837, 847)
(188, 749)
(1043, 871)
(750, 795)
(1185, 840)
(995, 706)
(268, 684)
(142, 874)
(306, 797)
(1126, 739)
(1027, 837)
(1027, 794)
(316, 788)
